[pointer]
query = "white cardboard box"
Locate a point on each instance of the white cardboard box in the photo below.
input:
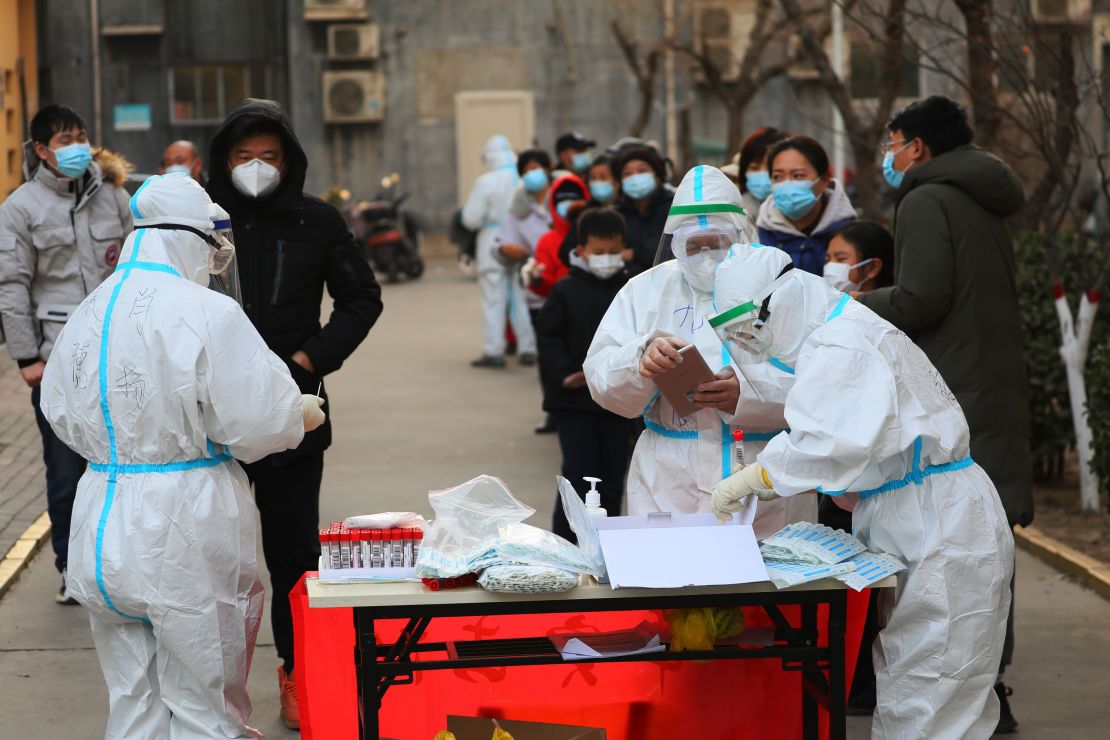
(674, 551)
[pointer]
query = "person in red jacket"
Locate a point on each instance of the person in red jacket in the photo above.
(568, 195)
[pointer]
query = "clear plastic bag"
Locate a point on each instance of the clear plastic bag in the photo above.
(582, 525)
(527, 579)
(387, 520)
(523, 543)
(463, 537)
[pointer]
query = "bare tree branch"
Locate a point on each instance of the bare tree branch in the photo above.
(646, 74)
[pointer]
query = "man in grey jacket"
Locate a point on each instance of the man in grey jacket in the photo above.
(60, 237)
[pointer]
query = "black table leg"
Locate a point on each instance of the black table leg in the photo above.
(809, 702)
(838, 621)
(366, 675)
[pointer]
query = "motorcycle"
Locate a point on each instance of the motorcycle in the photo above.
(392, 238)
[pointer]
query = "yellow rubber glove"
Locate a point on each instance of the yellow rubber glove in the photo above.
(729, 493)
(313, 414)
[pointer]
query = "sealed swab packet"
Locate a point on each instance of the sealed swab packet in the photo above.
(806, 542)
(870, 567)
(785, 575)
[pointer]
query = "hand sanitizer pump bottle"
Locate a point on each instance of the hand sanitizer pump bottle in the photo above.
(593, 499)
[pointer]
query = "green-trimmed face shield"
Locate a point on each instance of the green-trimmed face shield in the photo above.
(743, 327)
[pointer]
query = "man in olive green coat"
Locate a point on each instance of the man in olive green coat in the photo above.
(955, 293)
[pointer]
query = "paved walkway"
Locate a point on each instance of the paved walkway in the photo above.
(22, 486)
(411, 415)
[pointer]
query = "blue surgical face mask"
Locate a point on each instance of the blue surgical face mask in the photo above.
(602, 191)
(794, 198)
(758, 184)
(892, 176)
(534, 180)
(580, 162)
(563, 208)
(175, 169)
(639, 186)
(73, 160)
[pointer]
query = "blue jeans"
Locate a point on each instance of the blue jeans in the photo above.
(64, 469)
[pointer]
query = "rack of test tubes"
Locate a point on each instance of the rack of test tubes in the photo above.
(348, 554)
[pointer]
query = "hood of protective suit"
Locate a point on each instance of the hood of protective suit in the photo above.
(837, 209)
(983, 176)
(706, 190)
(560, 186)
(289, 192)
(171, 199)
(798, 306)
(498, 153)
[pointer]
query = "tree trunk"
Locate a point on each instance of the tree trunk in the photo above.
(868, 198)
(1072, 350)
(982, 69)
(647, 102)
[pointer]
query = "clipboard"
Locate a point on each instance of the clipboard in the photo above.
(678, 384)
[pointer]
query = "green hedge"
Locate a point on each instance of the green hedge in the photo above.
(1050, 409)
(1098, 408)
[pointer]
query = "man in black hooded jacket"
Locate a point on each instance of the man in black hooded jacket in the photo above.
(289, 246)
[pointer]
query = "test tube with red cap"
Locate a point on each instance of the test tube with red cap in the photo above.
(333, 536)
(325, 548)
(417, 541)
(738, 443)
(397, 547)
(376, 548)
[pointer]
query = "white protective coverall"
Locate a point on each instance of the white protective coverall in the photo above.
(677, 460)
(485, 211)
(870, 415)
(160, 382)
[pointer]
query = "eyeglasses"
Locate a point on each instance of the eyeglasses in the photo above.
(890, 145)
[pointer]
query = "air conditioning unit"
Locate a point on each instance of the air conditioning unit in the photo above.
(353, 41)
(353, 96)
(1061, 11)
(721, 30)
(334, 10)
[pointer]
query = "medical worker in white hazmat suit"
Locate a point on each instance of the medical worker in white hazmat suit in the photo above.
(160, 383)
(502, 294)
(679, 460)
(871, 421)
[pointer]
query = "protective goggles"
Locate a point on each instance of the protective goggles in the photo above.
(694, 242)
(753, 312)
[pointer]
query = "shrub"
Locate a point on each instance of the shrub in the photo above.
(1050, 410)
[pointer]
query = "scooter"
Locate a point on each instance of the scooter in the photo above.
(393, 238)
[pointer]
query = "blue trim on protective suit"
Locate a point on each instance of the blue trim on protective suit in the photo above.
(916, 475)
(698, 195)
(777, 363)
(112, 467)
(763, 436)
(839, 307)
(662, 431)
(134, 202)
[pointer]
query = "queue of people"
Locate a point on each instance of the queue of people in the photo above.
(878, 380)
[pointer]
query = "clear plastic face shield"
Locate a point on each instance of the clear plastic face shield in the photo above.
(699, 246)
(223, 268)
(745, 329)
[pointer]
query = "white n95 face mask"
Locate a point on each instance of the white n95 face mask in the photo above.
(255, 179)
(836, 275)
(605, 266)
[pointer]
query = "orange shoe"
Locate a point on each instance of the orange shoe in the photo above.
(290, 713)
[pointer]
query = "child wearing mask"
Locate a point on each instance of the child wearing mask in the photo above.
(860, 258)
(604, 191)
(594, 441)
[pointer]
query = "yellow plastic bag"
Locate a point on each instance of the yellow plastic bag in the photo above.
(444, 735)
(699, 629)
